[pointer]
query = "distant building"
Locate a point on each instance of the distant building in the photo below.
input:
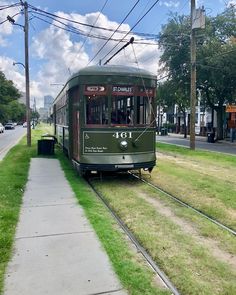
(44, 112)
(48, 99)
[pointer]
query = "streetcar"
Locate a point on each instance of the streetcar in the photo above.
(104, 119)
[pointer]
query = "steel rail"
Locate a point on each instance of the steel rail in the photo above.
(199, 212)
(138, 246)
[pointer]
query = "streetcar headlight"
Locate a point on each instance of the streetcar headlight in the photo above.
(123, 144)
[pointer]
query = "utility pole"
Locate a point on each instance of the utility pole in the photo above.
(193, 79)
(27, 88)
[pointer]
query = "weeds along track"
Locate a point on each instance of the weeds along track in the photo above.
(163, 277)
(183, 203)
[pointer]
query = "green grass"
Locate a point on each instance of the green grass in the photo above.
(190, 265)
(197, 154)
(203, 179)
(13, 176)
(134, 275)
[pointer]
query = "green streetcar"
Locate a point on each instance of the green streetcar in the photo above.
(104, 119)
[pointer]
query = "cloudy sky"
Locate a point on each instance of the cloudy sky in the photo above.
(55, 53)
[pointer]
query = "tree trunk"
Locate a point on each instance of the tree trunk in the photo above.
(185, 125)
(220, 122)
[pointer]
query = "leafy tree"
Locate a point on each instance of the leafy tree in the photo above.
(172, 92)
(8, 94)
(216, 63)
(16, 111)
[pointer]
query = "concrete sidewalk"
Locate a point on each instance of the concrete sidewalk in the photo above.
(56, 251)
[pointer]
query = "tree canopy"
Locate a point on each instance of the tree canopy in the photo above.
(216, 62)
(10, 108)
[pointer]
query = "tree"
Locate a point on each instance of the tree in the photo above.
(8, 94)
(216, 63)
(172, 92)
(16, 111)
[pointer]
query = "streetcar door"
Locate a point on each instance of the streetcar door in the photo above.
(75, 124)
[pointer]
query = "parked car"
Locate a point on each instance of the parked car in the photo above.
(9, 126)
(24, 124)
(1, 128)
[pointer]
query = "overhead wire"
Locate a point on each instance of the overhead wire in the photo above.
(89, 34)
(147, 94)
(75, 31)
(133, 27)
(127, 15)
(54, 16)
(3, 7)
(159, 22)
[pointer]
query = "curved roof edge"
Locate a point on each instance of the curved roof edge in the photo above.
(114, 70)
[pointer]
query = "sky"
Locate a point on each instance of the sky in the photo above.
(55, 54)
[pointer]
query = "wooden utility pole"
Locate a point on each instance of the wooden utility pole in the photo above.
(193, 79)
(27, 88)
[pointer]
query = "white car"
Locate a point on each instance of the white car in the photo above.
(25, 124)
(1, 128)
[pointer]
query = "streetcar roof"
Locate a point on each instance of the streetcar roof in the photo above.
(114, 70)
(108, 70)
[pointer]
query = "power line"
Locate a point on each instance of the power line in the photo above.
(54, 17)
(3, 7)
(132, 27)
(72, 29)
(114, 31)
(6, 20)
(92, 27)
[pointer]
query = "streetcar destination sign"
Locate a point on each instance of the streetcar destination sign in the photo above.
(125, 90)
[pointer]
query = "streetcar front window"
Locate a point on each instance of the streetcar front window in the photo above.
(96, 110)
(122, 110)
(143, 110)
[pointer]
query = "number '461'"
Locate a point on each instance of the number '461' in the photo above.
(122, 135)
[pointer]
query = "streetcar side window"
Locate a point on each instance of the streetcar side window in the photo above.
(143, 110)
(96, 110)
(122, 110)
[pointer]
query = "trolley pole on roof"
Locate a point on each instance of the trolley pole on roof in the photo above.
(27, 88)
(193, 79)
(130, 42)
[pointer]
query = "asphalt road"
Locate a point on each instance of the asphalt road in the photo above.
(9, 138)
(200, 143)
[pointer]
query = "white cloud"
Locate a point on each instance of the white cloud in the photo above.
(169, 3)
(17, 75)
(12, 72)
(6, 28)
(231, 3)
(60, 52)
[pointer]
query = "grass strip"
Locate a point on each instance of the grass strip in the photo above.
(208, 156)
(189, 265)
(13, 177)
(209, 193)
(224, 239)
(134, 275)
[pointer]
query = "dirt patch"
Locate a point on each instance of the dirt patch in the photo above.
(190, 229)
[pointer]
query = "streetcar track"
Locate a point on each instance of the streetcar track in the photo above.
(168, 284)
(185, 204)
